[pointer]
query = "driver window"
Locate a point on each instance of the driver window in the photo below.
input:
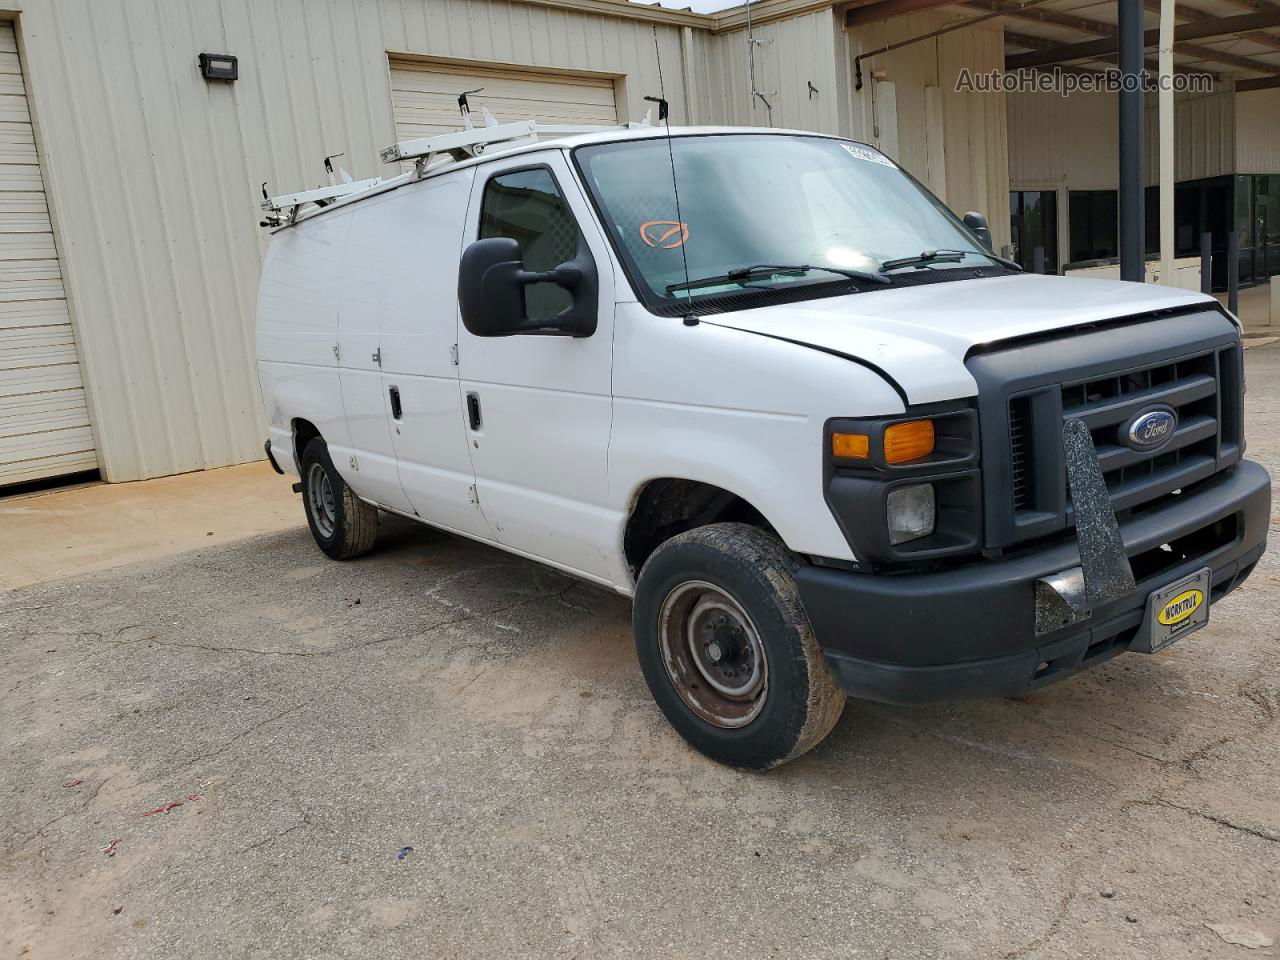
(527, 206)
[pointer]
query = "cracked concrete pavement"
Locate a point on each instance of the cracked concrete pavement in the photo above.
(314, 719)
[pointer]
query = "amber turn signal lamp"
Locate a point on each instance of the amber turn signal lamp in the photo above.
(850, 446)
(910, 440)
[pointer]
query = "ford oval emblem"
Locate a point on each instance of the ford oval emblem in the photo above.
(1151, 428)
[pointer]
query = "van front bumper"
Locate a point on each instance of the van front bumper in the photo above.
(969, 631)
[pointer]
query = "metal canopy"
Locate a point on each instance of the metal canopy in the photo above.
(1237, 37)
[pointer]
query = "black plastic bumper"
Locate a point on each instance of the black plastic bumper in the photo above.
(970, 631)
(271, 457)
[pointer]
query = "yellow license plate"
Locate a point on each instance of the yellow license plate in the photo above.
(1177, 610)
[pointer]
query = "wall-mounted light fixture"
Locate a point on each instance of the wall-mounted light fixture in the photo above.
(219, 66)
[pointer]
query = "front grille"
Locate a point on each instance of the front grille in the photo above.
(1203, 389)
(1020, 451)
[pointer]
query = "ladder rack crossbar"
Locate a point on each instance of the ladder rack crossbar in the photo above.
(465, 141)
(318, 195)
(462, 145)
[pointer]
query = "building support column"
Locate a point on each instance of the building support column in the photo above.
(1132, 244)
(1166, 143)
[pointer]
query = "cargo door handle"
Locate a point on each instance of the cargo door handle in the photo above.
(396, 411)
(473, 410)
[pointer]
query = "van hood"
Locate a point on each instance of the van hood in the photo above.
(919, 336)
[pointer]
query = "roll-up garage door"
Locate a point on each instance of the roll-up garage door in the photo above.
(424, 96)
(44, 423)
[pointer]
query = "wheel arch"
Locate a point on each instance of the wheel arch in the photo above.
(304, 431)
(662, 507)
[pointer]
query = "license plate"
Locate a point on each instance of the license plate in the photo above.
(1177, 610)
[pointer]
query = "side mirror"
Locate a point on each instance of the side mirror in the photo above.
(977, 222)
(491, 291)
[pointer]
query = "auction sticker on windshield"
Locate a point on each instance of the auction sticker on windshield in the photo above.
(860, 152)
(1177, 610)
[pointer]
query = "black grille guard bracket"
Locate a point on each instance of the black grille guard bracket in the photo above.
(1104, 573)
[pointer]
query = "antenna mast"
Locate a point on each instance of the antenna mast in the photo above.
(755, 93)
(664, 110)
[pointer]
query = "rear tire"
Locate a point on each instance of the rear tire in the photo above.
(727, 650)
(344, 526)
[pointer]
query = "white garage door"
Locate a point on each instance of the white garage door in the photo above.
(425, 97)
(44, 423)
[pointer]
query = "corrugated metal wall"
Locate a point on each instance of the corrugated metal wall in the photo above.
(974, 157)
(1258, 131)
(152, 173)
(1045, 141)
(790, 55)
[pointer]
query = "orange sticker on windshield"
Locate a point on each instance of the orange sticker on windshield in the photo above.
(664, 234)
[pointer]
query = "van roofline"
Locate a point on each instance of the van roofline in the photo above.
(563, 143)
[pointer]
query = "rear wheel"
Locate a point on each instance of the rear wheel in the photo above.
(727, 650)
(344, 526)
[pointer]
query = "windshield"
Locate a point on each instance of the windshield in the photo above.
(747, 200)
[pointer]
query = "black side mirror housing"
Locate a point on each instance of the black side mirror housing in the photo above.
(491, 287)
(977, 222)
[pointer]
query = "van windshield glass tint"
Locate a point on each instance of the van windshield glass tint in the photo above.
(761, 199)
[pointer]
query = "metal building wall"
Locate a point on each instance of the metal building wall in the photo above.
(152, 173)
(790, 55)
(1074, 139)
(1258, 131)
(973, 127)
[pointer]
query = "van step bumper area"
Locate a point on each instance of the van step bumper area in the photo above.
(970, 631)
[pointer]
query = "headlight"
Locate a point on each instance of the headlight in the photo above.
(906, 487)
(911, 512)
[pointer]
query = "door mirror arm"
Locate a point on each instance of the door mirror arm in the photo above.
(491, 291)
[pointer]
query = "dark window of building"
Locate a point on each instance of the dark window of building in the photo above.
(1093, 224)
(1034, 221)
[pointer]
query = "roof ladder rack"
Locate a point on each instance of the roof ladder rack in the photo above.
(462, 145)
(472, 142)
(275, 207)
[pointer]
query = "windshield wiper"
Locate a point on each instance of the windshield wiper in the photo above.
(945, 256)
(758, 271)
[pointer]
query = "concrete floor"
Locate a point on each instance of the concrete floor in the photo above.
(60, 533)
(315, 719)
(1255, 309)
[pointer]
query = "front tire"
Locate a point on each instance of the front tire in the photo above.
(727, 650)
(343, 525)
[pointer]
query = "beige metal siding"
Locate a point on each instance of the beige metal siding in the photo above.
(153, 173)
(1204, 129)
(1075, 139)
(790, 55)
(955, 141)
(44, 422)
(424, 96)
(1258, 132)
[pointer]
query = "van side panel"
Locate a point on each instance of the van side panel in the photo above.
(362, 299)
(407, 246)
(297, 332)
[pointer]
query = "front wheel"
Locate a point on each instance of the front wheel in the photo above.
(727, 650)
(344, 526)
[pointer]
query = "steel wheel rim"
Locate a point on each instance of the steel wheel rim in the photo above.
(713, 654)
(320, 498)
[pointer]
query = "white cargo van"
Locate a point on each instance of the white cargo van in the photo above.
(768, 386)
